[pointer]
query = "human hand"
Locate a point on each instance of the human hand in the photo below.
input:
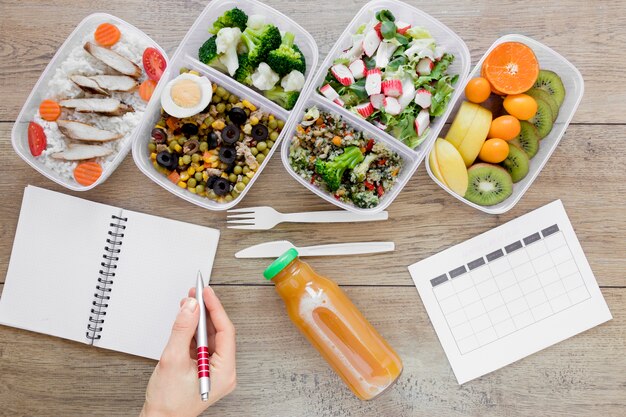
(173, 389)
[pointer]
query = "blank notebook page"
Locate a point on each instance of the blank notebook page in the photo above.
(54, 264)
(159, 262)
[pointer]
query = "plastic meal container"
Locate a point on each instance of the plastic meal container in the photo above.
(412, 157)
(19, 133)
(574, 88)
(187, 56)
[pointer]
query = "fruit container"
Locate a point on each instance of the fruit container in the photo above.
(186, 55)
(413, 157)
(19, 137)
(574, 89)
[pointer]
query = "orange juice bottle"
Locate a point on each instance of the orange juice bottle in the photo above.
(337, 329)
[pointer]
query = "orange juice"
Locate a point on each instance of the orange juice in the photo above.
(337, 329)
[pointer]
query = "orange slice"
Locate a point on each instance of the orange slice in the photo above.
(511, 68)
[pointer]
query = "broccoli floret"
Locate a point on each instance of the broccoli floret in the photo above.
(287, 57)
(359, 172)
(260, 42)
(332, 171)
(208, 54)
(233, 18)
(365, 199)
(285, 99)
(245, 70)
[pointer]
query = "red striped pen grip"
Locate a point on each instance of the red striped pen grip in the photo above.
(203, 362)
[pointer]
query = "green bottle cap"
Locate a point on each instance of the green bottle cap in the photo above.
(280, 263)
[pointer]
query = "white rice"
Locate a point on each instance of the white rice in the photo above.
(61, 87)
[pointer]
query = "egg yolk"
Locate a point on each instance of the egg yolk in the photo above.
(186, 93)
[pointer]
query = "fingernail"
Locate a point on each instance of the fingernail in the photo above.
(190, 305)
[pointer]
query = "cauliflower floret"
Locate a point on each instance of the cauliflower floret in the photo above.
(226, 43)
(294, 81)
(264, 78)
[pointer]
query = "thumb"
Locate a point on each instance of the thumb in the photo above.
(183, 331)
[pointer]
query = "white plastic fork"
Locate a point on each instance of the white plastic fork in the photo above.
(265, 218)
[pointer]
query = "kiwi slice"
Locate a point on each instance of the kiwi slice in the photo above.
(542, 119)
(517, 163)
(551, 82)
(539, 94)
(528, 139)
(488, 184)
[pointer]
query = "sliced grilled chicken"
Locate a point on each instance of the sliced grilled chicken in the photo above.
(113, 60)
(82, 131)
(88, 84)
(81, 152)
(115, 82)
(106, 106)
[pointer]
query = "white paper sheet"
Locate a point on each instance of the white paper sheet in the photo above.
(510, 292)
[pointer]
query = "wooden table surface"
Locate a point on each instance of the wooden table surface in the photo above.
(279, 373)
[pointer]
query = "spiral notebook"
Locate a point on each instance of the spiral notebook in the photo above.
(99, 274)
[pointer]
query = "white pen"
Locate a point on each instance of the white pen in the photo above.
(203, 344)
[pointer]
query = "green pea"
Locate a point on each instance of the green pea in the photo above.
(211, 194)
(254, 151)
(152, 147)
(237, 170)
(274, 136)
(199, 188)
(245, 180)
(216, 98)
(198, 176)
(204, 146)
(186, 159)
(245, 170)
(208, 120)
(223, 166)
(194, 137)
(220, 91)
(270, 143)
(226, 96)
(232, 178)
(233, 99)
(273, 124)
(261, 146)
(266, 151)
(183, 70)
(195, 157)
(228, 107)
(228, 198)
(191, 182)
(220, 107)
(240, 186)
(281, 123)
(181, 140)
(260, 157)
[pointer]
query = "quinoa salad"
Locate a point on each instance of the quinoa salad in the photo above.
(346, 163)
(63, 88)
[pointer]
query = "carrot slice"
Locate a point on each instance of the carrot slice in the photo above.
(174, 177)
(511, 68)
(86, 173)
(107, 34)
(146, 89)
(49, 110)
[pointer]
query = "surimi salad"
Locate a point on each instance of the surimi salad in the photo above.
(394, 75)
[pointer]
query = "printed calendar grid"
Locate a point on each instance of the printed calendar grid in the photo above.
(509, 289)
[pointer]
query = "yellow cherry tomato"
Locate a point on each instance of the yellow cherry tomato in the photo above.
(504, 127)
(494, 150)
(477, 90)
(521, 106)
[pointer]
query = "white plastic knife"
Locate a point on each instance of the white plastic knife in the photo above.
(278, 247)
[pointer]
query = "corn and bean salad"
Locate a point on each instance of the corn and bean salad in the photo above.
(217, 152)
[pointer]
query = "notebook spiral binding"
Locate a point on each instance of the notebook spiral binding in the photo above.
(105, 278)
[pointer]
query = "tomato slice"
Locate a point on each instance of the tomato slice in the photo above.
(153, 63)
(36, 139)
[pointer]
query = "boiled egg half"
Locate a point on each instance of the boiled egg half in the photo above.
(186, 95)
